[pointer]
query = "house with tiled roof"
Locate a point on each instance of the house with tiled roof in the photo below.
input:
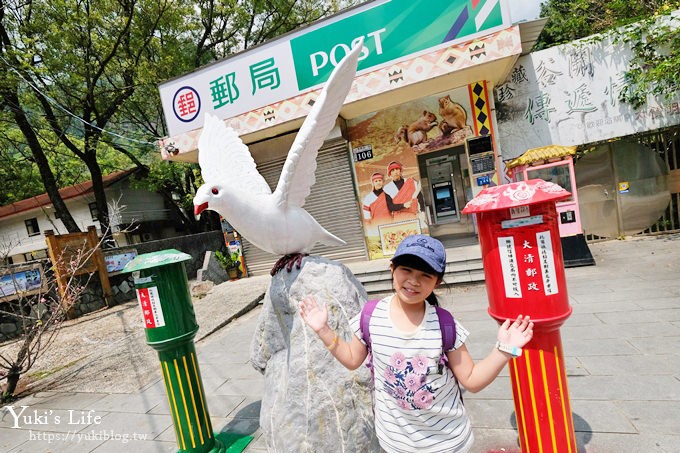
(136, 216)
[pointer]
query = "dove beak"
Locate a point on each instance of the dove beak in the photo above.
(200, 208)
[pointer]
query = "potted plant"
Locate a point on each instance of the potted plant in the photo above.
(229, 262)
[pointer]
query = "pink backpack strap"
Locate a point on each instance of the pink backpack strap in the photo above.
(447, 325)
(364, 323)
(365, 320)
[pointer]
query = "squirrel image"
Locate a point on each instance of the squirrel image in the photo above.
(416, 132)
(454, 116)
(401, 134)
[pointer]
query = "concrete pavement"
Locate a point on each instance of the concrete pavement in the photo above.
(621, 346)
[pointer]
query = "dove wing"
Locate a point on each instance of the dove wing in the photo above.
(297, 176)
(224, 157)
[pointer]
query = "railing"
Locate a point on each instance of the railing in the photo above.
(128, 217)
(667, 146)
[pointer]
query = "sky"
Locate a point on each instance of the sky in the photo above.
(524, 9)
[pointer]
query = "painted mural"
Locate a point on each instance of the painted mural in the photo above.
(385, 146)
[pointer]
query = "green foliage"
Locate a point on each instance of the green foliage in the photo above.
(178, 179)
(656, 63)
(228, 260)
(83, 77)
(21, 178)
(640, 23)
(17, 171)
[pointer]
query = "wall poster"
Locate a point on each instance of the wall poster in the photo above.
(385, 148)
(20, 281)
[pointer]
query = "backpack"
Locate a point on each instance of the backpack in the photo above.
(447, 325)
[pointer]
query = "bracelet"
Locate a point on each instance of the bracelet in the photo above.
(334, 343)
(514, 351)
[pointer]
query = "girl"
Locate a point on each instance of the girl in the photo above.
(417, 403)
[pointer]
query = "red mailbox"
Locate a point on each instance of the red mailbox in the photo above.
(523, 265)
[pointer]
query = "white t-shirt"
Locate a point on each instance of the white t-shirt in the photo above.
(417, 407)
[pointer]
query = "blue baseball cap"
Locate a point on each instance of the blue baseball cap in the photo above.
(426, 248)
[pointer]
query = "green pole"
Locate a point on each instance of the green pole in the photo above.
(170, 326)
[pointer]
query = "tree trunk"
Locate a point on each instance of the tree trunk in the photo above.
(17, 367)
(12, 382)
(46, 174)
(99, 197)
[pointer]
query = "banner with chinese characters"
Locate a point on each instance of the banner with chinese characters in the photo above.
(569, 95)
(297, 62)
(151, 307)
(528, 265)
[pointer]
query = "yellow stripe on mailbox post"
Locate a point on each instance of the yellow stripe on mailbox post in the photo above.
(170, 325)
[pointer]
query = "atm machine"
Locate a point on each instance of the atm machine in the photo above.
(440, 175)
(481, 162)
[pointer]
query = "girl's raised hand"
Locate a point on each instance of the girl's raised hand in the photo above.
(314, 315)
(517, 333)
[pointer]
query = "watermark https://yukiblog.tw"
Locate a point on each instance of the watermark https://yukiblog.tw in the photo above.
(22, 417)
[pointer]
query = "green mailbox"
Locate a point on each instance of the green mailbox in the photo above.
(163, 293)
(170, 324)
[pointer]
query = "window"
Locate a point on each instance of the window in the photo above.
(558, 174)
(32, 227)
(94, 212)
(35, 255)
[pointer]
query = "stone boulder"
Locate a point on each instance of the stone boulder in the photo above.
(211, 270)
(311, 403)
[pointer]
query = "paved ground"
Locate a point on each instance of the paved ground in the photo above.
(621, 348)
(106, 351)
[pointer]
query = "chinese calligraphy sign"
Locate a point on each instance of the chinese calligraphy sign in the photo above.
(528, 265)
(151, 307)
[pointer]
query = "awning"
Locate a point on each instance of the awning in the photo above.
(541, 154)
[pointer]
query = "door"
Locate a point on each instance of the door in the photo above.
(331, 202)
(622, 189)
(442, 189)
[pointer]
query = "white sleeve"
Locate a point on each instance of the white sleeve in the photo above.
(355, 326)
(461, 335)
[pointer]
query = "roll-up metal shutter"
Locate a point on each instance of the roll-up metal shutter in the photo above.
(331, 202)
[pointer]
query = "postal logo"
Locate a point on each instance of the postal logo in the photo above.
(186, 104)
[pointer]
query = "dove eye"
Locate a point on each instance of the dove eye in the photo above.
(215, 190)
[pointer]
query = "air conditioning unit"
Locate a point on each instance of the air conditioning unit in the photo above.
(146, 237)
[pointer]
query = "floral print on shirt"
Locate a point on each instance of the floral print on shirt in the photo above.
(405, 380)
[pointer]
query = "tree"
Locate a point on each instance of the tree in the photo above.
(17, 172)
(39, 316)
(79, 70)
(654, 39)
(176, 182)
(20, 175)
(220, 29)
(72, 67)
(9, 95)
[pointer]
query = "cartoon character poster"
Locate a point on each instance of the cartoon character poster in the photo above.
(385, 147)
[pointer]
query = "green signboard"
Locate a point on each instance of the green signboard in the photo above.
(391, 30)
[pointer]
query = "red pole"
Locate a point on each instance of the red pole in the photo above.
(539, 388)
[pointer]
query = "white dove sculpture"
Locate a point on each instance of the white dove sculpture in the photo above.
(275, 222)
